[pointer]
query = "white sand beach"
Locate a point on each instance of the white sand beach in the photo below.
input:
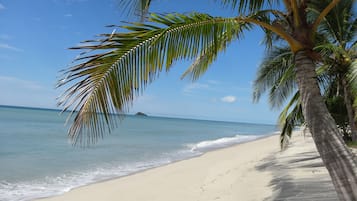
(251, 171)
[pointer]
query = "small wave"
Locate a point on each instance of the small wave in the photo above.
(221, 142)
(56, 185)
(22, 191)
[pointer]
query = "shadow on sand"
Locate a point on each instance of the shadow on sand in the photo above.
(298, 177)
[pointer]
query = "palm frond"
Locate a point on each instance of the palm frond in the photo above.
(352, 81)
(276, 75)
(337, 64)
(207, 56)
(248, 5)
(290, 118)
(283, 88)
(108, 82)
(340, 24)
(352, 75)
(325, 78)
(137, 7)
(281, 21)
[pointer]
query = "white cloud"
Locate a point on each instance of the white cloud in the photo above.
(9, 47)
(229, 99)
(68, 15)
(2, 6)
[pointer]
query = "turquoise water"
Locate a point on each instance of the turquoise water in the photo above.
(36, 159)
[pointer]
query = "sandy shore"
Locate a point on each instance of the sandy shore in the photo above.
(251, 171)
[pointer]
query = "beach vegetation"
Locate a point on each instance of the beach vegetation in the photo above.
(117, 67)
(336, 47)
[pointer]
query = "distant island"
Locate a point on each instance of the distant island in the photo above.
(141, 114)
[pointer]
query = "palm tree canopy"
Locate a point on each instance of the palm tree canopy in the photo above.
(107, 81)
(335, 45)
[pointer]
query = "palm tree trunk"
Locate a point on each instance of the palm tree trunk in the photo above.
(334, 153)
(350, 110)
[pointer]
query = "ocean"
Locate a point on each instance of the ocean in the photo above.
(37, 159)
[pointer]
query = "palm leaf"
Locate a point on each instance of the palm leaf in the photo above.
(340, 23)
(289, 118)
(248, 5)
(276, 75)
(107, 83)
(352, 76)
(208, 55)
(137, 7)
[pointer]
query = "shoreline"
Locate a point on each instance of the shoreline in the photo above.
(175, 161)
(253, 170)
(159, 166)
(143, 173)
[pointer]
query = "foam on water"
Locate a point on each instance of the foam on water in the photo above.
(221, 142)
(50, 186)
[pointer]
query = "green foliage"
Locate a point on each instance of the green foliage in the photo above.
(276, 74)
(337, 108)
(289, 118)
(336, 46)
(340, 24)
(117, 67)
(247, 5)
(107, 82)
(352, 144)
(137, 7)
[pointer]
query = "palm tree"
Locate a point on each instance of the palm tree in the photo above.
(107, 82)
(338, 67)
(340, 27)
(276, 75)
(337, 48)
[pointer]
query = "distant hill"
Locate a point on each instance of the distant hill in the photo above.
(141, 114)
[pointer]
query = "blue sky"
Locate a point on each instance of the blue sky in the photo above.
(34, 40)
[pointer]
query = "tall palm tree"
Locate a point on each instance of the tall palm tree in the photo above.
(338, 67)
(340, 27)
(276, 75)
(337, 50)
(126, 62)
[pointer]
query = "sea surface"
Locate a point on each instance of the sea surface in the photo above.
(37, 159)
